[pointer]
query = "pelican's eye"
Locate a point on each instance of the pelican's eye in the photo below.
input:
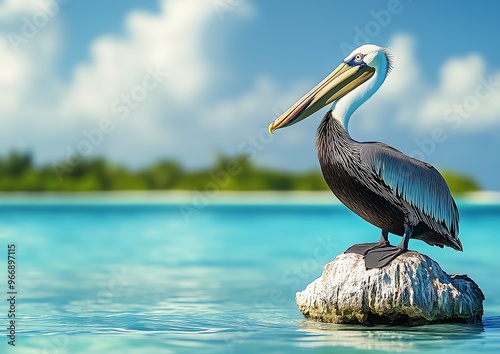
(359, 57)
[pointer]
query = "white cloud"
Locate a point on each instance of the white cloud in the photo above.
(406, 72)
(194, 134)
(460, 98)
(398, 98)
(30, 86)
(171, 120)
(460, 74)
(252, 109)
(13, 78)
(11, 8)
(170, 40)
(20, 62)
(466, 95)
(42, 113)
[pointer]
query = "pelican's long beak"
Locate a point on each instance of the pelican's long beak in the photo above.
(341, 81)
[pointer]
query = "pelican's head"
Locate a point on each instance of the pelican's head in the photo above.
(347, 87)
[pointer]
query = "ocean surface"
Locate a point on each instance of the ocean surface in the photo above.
(144, 274)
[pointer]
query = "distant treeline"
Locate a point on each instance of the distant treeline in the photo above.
(19, 173)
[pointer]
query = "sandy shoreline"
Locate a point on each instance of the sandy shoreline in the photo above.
(197, 197)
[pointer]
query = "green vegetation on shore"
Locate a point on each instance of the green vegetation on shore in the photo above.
(18, 173)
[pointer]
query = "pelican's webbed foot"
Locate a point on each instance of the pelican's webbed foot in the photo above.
(364, 248)
(380, 257)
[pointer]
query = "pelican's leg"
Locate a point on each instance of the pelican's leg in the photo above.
(364, 248)
(380, 257)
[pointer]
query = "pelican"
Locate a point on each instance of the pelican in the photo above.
(395, 192)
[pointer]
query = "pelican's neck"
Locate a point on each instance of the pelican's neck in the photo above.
(343, 108)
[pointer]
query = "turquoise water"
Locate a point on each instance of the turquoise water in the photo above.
(132, 276)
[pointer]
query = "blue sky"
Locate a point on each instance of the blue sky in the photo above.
(141, 80)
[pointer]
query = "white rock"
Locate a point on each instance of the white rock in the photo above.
(411, 290)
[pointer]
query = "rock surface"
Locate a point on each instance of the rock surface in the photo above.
(411, 290)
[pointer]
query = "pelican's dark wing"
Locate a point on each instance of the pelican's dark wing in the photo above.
(417, 183)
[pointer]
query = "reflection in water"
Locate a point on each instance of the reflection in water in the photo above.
(492, 322)
(387, 338)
